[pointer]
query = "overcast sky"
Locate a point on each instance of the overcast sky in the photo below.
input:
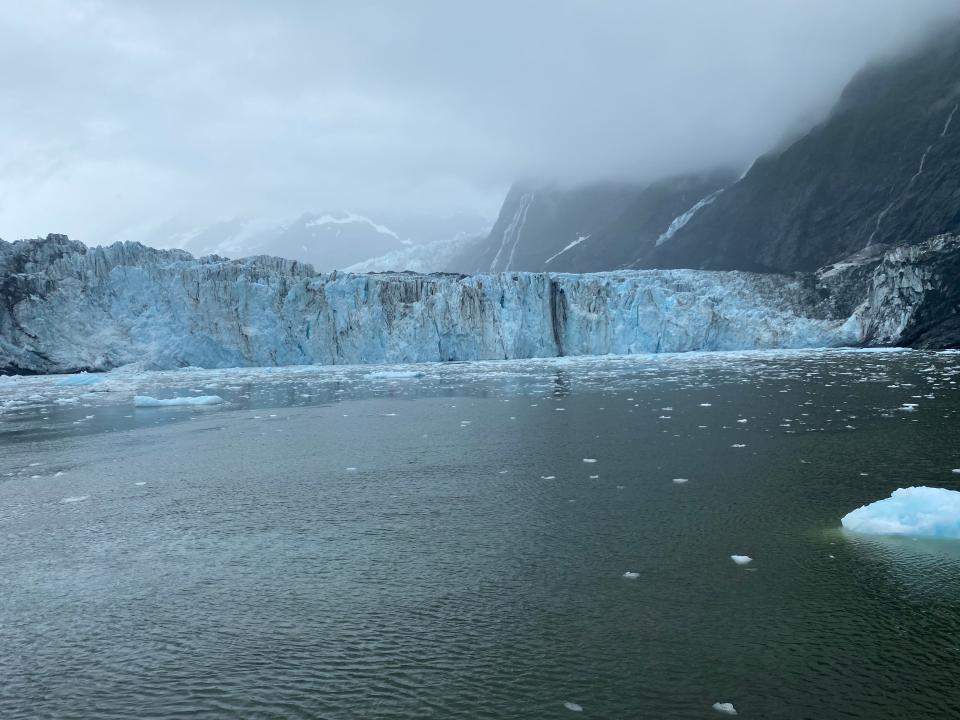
(119, 115)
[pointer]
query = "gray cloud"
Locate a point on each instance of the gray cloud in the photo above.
(118, 115)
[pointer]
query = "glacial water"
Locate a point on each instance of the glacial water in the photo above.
(433, 540)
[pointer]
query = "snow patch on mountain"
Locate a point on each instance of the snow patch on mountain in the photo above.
(349, 218)
(681, 220)
(570, 246)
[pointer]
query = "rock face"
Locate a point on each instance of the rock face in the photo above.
(882, 169)
(65, 307)
(605, 226)
(914, 296)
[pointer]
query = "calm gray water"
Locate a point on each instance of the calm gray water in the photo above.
(332, 545)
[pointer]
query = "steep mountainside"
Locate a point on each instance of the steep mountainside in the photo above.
(584, 229)
(884, 168)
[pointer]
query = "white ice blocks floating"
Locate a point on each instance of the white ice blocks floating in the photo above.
(144, 401)
(923, 512)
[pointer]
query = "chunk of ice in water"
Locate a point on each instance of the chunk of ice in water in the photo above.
(741, 559)
(725, 708)
(394, 375)
(680, 481)
(631, 575)
(589, 460)
(79, 498)
(573, 706)
(914, 511)
(146, 401)
(80, 379)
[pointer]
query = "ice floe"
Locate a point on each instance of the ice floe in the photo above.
(147, 401)
(725, 708)
(394, 374)
(926, 512)
(741, 559)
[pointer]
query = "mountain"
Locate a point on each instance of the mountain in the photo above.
(328, 240)
(594, 227)
(65, 307)
(436, 256)
(882, 169)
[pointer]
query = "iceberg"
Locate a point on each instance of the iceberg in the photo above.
(146, 401)
(923, 512)
(394, 374)
(80, 379)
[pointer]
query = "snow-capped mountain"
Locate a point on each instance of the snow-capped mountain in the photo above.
(326, 240)
(436, 256)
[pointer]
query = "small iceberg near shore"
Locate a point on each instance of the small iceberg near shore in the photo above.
(146, 401)
(923, 512)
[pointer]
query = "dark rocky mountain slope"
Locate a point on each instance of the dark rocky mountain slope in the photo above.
(882, 169)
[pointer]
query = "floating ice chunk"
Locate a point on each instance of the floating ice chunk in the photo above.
(548, 477)
(573, 706)
(680, 481)
(909, 407)
(956, 471)
(146, 401)
(594, 477)
(140, 483)
(741, 559)
(80, 379)
(394, 374)
(589, 460)
(915, 511)
(725, 708)
(706, 404)
(738, 445)
(79, 498)
(742, 420)
(631, 575)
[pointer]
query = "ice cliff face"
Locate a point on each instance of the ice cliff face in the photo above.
(65, 307)
(914, 296)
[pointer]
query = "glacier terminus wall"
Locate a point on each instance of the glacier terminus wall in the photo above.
(65, 307)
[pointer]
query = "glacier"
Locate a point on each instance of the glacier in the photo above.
(924, 512)
(67, 308)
